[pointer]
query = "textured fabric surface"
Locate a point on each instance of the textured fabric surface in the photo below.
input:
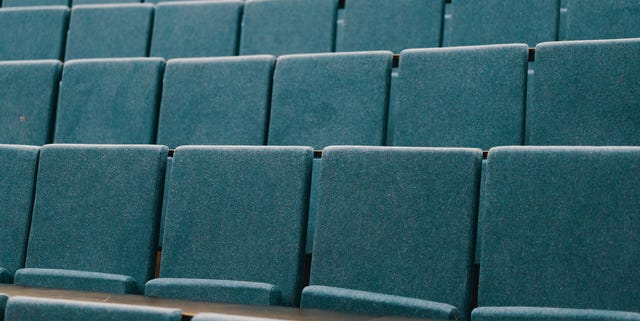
(463, 96)
(313, 204)
(391, 25)
(27, 101)
(398, 221)
(585, 93)
(33, 33)
(602, 19)
(3, 304)
(101, 204)
(226, 317)
(498, 22)
(18, 166)
(233, 207)
(165, 197)
(227, 101)
(77, 2)
(109, 101)
(224, 291)
(322, 297)
(564, 232)
(76, 280)
(109, 31)
(543, 314)
(20, 3)
(278, 27)
(37, 309)
(330, 99)
(196, 29)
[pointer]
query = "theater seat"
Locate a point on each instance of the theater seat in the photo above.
(33, 32)
(109, 101)
(95, 218)
(21, 3)
(37, 309)
(602, 19)
(395, 231)
(18, 166)
(227, 317)
(542, 314)
(235, 225)
(79, 2)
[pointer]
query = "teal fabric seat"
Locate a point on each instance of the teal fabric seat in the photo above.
(585, 93)
(543, 314)
(475, 22)
(109, 31)
(33, 32)
(196, 29)
(37, 309)
(3, 304)
(18, 166)
(232, 207)
(227, 317)
(391, 25)
(227, 101)
(602, 19)
(79, 2)
(461, 96)
(396, 231)
(278, 27)
(95, 218)
(560, 228)
(109, 101)
(24, 3)
(27, 101)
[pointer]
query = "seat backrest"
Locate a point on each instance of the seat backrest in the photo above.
(79, 2)
(233, 207)
(33, 32)
(109, 101)
(109, 31)
(486, 22)
(278, 27)
(196, 29)
(330, 99)
(560, 228)
(27, 101)
(227, 104)
(18, 166)
(22, 3)
(398, 221)
(585, 93)
(97, 209)
(33, 309)
(602, 19)
(463, 96)
(391, 25)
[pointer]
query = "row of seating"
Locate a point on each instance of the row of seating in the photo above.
(395, 235)
(277, 27)
(583, 93)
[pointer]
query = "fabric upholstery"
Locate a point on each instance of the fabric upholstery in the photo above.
(426, 200)
(392, 25)
(165, 197)
(563, 232)
(76, 280)
(227, 104)
(256, 206)
(21, 3)
(109, 31)
(585, 93)
(542, 314)
(278, 27)
(462, 96)
(109, 101)
(27, 101)
(3, 304)
(33, 32)
(330, 99)
(101, 204)
(499, 22)
(196, 29)
(18, 166)
(37, 309)
(227, 317)
(78, 2)
(330, 298)
(313, 203)
(237, 292)
(602, 19)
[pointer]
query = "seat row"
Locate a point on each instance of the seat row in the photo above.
(276, 27)
(583, 93)
(395, 233)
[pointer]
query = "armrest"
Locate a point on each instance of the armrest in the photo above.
(5, 276)
(543, 314)
(76, 280)
(224, 291)
(346, 300)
